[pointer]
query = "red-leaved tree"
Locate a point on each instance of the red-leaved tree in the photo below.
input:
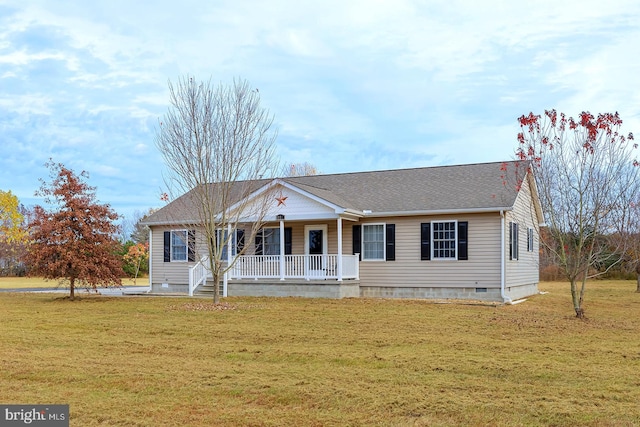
(587, 180)
(75, 241)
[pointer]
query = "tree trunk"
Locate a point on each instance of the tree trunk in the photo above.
(216, 273)
(577, 298)
(72, 288)
(216, 287)
(583, 287)
(638, 283)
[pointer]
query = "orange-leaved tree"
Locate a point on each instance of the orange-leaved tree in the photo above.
(136, 255)
(74, 241)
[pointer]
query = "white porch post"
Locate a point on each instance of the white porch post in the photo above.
(281, 249)
(339, 249)
(229, 249)
(229, 244)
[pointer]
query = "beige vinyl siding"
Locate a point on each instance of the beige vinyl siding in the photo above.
(481, 270)
(524, 270)
(175, 272)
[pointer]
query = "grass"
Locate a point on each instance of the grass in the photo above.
(38, 282)
(309, 362)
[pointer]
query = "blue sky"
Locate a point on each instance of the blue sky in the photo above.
(353, 85)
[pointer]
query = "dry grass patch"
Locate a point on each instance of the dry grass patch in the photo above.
(290, 361)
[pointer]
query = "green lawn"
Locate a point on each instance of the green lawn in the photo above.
(153, 361)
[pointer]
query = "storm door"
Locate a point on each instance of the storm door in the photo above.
(315, 251)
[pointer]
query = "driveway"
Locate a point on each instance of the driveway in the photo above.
(133, 290)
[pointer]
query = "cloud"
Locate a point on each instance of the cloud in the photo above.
(355, 85)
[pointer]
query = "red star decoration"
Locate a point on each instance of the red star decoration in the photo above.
(281, 200)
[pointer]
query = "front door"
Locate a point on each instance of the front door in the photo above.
(315, 238)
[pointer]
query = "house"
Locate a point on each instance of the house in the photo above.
(465, 231)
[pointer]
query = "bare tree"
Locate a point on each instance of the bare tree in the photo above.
(133, 229)
(219, 146)
(300, 169)
(587, 179)
(629, 235)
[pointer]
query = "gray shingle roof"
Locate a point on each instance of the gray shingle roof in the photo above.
(480, 186)
(474, 186)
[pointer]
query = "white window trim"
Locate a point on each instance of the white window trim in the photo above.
(186, 232)
(455, 241)
(384, 242)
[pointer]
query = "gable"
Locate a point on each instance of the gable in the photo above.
(295, 205)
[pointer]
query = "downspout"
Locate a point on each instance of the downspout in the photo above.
(505, 298)
(150, 261)
(340, 249)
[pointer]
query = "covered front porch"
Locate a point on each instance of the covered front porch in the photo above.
(300, 241)
(299, 269)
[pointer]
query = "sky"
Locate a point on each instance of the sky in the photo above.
(353, 85)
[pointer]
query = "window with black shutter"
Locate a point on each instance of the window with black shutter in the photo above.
(444, 240)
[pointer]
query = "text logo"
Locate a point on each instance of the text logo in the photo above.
(34, 415)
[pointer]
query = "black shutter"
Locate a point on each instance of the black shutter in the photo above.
(357, 240)
(167, 246)
(513, 240)
(463, 240)
(516, 241)
(510, 241)
(191, 247)
(391, 242)
(288, 239)
(258, 241)
(239, 240)
(425, 241)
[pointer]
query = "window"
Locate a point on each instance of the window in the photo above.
(237, 242)
(373, 242)
(513, 240)
(530, 239)
(268, 241)
(271, 241)
(179, 247)
(444, 240)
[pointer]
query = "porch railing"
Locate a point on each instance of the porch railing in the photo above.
(198, 275)
(306, 267)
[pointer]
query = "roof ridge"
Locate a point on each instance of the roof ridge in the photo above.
(401, 169)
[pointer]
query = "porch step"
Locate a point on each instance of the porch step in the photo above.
(207, 289)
